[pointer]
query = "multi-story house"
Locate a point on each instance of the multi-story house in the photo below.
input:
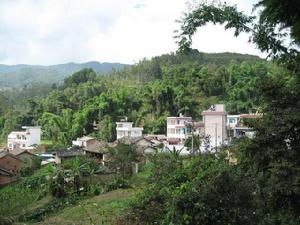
(178, 128)
(241, 129)
(24, 139)
(215, 125)
(125, 129)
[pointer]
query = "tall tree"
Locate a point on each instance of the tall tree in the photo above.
(272, 158)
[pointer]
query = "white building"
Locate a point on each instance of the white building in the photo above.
(177, 128)
(24, 139)
(125, 129)
(215, 125)
(241, 129)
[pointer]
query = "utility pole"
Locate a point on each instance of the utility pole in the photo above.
(192, 138)
(190, 125)
(216, 132)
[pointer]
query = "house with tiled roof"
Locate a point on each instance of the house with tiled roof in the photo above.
(10, 166)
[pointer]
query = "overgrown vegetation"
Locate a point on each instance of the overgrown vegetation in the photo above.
(66, 185)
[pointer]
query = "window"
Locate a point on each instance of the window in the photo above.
(172, 122)
(178, 121)
(177, 131)
(171, 131)
(232, 120)
(23, 145)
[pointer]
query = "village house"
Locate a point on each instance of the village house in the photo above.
(241, 129)
(125, 129)
(62, 155)
(213, 127)
(29, 159)
(27, 139)
(97, 150)
(10, 167)
(178, 129)
(84, 147)
(84, 141)
(198, 127)
(215, 121)
(142, 145)
(232, 120)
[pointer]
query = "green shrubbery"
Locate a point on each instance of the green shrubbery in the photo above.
(17, 197)
(206, 189)
(68, 183)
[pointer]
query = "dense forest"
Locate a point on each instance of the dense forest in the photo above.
(145, 93)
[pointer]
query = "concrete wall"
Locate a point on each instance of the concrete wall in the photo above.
(34, 136)
(215, 128)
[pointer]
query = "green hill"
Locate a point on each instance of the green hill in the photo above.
(18, 75)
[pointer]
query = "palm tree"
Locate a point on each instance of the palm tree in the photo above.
(62, 124)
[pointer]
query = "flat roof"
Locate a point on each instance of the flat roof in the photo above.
(243, 128)
(179, 117)
(124, 122)
(129, 128)
(17, 132)
(31, 127)
(212, 113)
(233, 115)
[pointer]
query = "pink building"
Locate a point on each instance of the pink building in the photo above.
(215, 120)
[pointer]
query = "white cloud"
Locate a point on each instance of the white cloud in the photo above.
(59, 31)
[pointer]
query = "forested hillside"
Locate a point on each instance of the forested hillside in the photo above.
(145, 93)
(19, 75)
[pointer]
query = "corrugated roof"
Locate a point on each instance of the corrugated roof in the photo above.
(97, 147)
(19, 151)
(70, 153)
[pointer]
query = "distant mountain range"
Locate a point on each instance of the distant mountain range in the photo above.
(18, 75)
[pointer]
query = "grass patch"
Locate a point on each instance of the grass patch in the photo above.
(46, 142)
(17, 198)
(102, 209)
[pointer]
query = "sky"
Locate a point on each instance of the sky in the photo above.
(47, 32)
